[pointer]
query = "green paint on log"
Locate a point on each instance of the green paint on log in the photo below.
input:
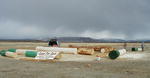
(3, 52)
(134, 49)
(114, 54)
(12, 50)
(31, 54)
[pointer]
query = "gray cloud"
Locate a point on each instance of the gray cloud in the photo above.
(127, 19)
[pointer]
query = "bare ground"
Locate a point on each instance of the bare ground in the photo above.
(119, 68)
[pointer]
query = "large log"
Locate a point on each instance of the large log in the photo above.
(11, 54)
(22, 51)
(116, 53)
(85, 51)
(103, 49)
(57, 49)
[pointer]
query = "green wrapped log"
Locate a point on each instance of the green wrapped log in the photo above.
(3, 52)
(30, 53)
(114, 54)
(12, 50)
(134, 49)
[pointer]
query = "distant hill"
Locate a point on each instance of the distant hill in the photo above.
(77, 39)
(87, 39)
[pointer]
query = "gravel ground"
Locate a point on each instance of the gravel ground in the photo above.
(11, 68)
(119, 68)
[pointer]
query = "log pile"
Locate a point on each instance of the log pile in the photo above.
(102, 49)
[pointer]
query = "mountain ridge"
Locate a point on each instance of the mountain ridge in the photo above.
(78, 39)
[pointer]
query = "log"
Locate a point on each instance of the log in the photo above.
(116, 53)
(11, 54)
(86, 51)
(57, 49)
(22, 51)
(96, 48)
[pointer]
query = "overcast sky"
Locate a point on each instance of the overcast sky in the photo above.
(124, 19)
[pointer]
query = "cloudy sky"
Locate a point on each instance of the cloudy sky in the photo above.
(124, 19)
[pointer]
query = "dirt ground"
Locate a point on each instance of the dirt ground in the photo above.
(119, 68)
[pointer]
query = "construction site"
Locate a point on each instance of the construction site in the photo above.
(82, 60)
(74, 38)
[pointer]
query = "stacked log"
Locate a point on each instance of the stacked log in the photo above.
(102, 49)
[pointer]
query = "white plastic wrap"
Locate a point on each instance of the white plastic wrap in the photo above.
(22, 51)
(139, 49)
(11, 54)
(57, 49)
(122, 51)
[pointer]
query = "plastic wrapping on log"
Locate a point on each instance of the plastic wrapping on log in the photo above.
(22, 51)
(136, 49)
(30, 53)
(116, 53)
(3, 52)
(57, 49)
(11, 54)
(12, 50)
